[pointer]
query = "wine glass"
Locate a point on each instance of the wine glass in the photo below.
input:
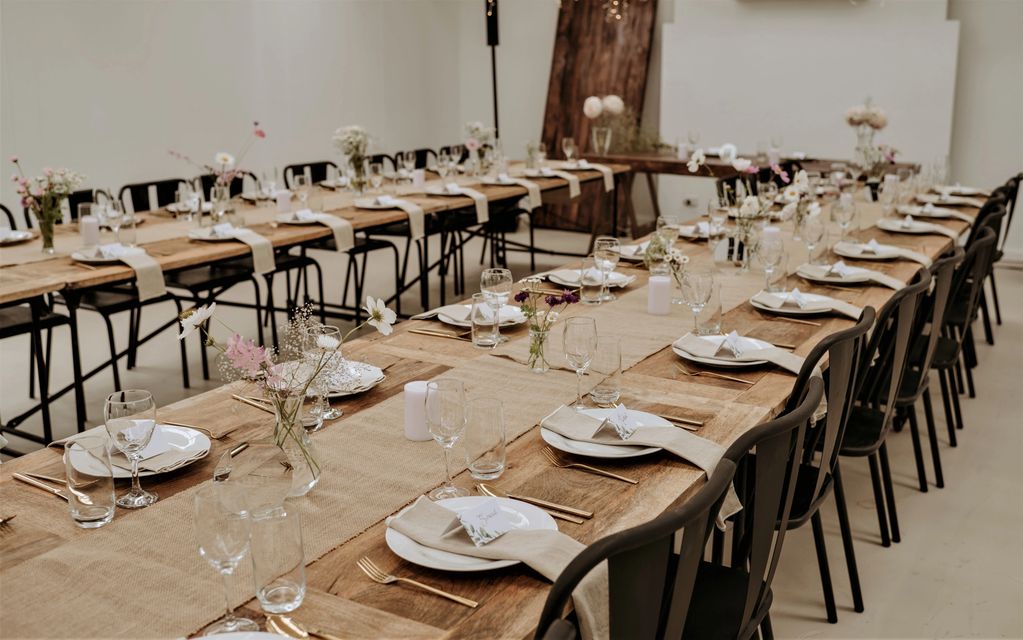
(693, 137)
(697, 285)
(580, 344)
(456, 152)
(717, 211)
(445, 416)
(111, 215)
(607, 251)
(376, 175)
(222, 531)
(541, 154)
(568, 146)
(408, 163)
(301, 185)
(813, 231)
(443, 164)
(843, 211)
(771, 251)
(496, 286)
(130, 418)
(776, 142)
(322, 351)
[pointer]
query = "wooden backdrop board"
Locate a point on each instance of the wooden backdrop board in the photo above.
(592, 57)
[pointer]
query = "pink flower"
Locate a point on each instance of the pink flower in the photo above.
(752, 169)
(245, 356)
(472, 144)
(781, 173)
(14, 159)
(14, 177)
(48, 171)
(275, 377)
(259, 133)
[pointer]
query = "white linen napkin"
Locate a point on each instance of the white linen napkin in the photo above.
(795, 298)
(535, 199)
(683, 443)
(700, 229)
(634, 251)
(148, 274)
(573, 276)
(909, 225)
(545, 551)
(748, 352)
(944, 198)
(416, 217)
(930, 211)
(959, 190)
(262, 249)
(875, 249)
(605, 171)
(461, 312)
(482, 208)
(573, 182)
(841, 270)
(344, 233)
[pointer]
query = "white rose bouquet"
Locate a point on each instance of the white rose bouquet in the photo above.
(353, 142)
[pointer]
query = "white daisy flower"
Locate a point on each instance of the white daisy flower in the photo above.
(224, 159)
(327, 343)
(197, 317)
(380, 317)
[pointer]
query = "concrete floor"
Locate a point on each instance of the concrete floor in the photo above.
(957, 573)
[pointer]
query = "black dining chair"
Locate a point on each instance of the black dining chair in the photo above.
(1011, 192)
(136, 197)
(656, 592)
(875, 389)
(207, 181)
(317, 171)
(424, 157)
(999, 201)
(10, 217)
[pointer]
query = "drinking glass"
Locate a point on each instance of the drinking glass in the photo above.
(771, 251)
(456, 152)
(219, 197)
(443, 164)
(130, 418)
(300, 185)
(843, 211)
(667, 229)
(222, 531)
(110, 215)
(485, 438)
(90, 486)
(580, 343)
(693, 137)
(708, 321)
(445, 417)
(568, 146)
(767, 192)
(541, 154)
(322, 350)
(717, 211)
(278, 560)
(607, 251)
(591, 281)
(813, 230)
(376, 175)
(697, 286)
(485, 323)
(496, 286)
(127, 234)
(607, 366)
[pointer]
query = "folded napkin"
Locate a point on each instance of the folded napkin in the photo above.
(909, 225)
(795, 298)
(545, 551)
(344, 234)
(461, 313)
(959, 190)
(416, 217)
(262, 249)
(482, 208)
(573, 276)
(930, 211)
(875, 249)
(605, 171)
(944, 198)
(634, 251)
(148, 274)
(700, 229)
(685, 444)
(739, 349)
(535, 199)
(843, 271)
(573, 182)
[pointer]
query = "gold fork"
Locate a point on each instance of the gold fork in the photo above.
(556, 460)
(711, 374)
(377, 575)
(5, 521)
(197, 428)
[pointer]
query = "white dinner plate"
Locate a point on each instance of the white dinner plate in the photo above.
(193, 445)
(371, 203)
(333, 184)
(594, 450)
(243, 635)
(570, 278)
(521, 515)
(446, 319)
(495, 181)
(180, 207)
(852, 250)
(793, 309)
(289, 218)
(206, 235)
(369, 377)
(441, 191)
(854, 278)
(948, 200)
(16, 237)
(958, 190)
(892, 225)
(87, 258)
(724, 361)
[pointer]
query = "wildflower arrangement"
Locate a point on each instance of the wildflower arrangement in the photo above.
(43, 194)
(353, 142)
(540, 319)
(225, 166)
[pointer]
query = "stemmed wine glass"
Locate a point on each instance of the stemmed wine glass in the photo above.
(130, 418)
(376, 175)
(813, 230)
(569, 148)
(302, 189)
(111, 215)
(496, 286)
(580, 344)
(541, 155)
(408, 163)
(607, 251)
(222, 531)
(445, 416)
(455, 153)
(842, 211)
(443, 165)
(697, 286)
(322, 349)
(693, 137)
(771, 250)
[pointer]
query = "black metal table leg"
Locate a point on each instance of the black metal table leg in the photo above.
(71, 300)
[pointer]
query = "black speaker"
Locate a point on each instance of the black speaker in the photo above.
(490, 8)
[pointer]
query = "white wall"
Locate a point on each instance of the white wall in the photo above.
(107, 87)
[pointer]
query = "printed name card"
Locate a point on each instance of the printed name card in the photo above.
(485, 523)
(223, 230)
(619, 422)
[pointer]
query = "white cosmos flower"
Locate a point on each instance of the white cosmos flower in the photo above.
(593, 107)
(327, 343)
(224, 160)
(741, 164)
(697, 160)
(728, 152)
(380, 317)
(613, 104)
(801, 181)
(791, 193)
(750, 207)
(193, 320)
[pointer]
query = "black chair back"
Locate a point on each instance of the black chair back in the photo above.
(135, 197)
(997, 202)
(207, 181)
(10, 217)
(463, 155)
(317, 171)
(423, 157)
(929, 316)
(650, 586)
(390, 164)
(968, 280)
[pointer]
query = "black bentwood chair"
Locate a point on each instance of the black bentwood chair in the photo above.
(876, 388)
(207, 181)
(1011, 187)
(998, 202)
(657, 593)
(315, 171)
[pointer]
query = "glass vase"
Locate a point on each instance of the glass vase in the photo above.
(358, 171)
(295, 442)
(601, 139)
(538, 336)
(46, 225)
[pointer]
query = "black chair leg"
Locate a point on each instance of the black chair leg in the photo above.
(955, 407)
(766, 632)
(847, 542)
(994, 298)
(970, 357)
(184, 351)
(33, 348)
(886, 475)
(41, 367)
(397, 281)
(259, 308)
(822, 562)
(985, 316)
(717, 547)
(270, 310)
(882, 518)
(947, 402)
(914, 432)
(532, 245)
(203, 356)
(319, 292)
(932, 434)
(113, 353)
(960, 382)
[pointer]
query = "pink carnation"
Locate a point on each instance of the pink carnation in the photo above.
(245, 356)
(752, 169)
(781, 173)
(259, 133)
(14, 159)
(472, 144)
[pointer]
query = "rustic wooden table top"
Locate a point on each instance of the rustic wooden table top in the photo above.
(341, 600)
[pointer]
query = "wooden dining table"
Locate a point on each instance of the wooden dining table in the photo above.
(141, 576)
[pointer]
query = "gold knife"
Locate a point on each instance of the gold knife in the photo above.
(42, 485)
(537, 501)
(440, 334)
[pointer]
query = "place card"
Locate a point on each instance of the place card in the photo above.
(619, 422)
(485, 523)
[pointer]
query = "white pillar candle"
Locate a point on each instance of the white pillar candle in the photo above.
(89, 228)
(415, 412)
(284, 201)
(419, 178)
(658, 300)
